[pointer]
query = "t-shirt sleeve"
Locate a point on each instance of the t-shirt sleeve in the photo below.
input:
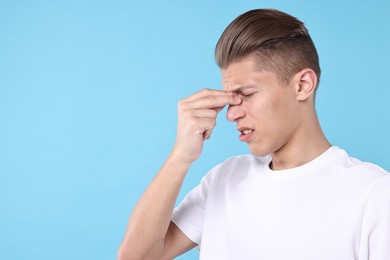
(375, 236)
(188, 216)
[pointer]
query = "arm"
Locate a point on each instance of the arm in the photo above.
(150, 233)
(149, 223)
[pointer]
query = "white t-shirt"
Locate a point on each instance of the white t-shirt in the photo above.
(332, 208)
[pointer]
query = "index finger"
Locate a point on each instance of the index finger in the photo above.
(214, 99)
(206, 92)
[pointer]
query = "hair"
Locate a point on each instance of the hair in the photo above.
(279, 41)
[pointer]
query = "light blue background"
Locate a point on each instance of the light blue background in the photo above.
(88, 94)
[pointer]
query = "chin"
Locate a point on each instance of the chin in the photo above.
(258, 151)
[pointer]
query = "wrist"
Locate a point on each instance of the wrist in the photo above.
(177, 159)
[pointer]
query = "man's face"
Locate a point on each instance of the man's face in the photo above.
(267, 117)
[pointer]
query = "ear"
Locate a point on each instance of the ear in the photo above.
(306, 83)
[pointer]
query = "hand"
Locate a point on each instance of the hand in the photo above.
(196, 120)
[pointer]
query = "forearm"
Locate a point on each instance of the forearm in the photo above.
(148, 225)
(149, 221)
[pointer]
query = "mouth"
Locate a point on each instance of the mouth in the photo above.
(246, 134)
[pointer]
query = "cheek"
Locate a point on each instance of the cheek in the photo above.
(266, 109)
(280, 104)
(262, 113)
(284, 118)
(271, 116)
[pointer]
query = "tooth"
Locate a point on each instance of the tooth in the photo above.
(247, 131)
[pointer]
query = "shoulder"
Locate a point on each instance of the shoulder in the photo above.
(377, 206)
(381, 188)
(358, 168)
(360, 177)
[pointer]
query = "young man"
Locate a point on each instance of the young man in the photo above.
(295, 197)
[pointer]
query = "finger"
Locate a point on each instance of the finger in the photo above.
(204, 124)
(209, 113)
(214, 101)
(203, 93)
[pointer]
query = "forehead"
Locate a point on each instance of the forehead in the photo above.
(244, 73)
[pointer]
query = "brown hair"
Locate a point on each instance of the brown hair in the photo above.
(280, 42)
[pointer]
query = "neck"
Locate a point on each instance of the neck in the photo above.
(308, 143)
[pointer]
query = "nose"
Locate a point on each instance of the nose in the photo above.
(235, 112)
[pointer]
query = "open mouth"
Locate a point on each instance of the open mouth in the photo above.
(247, 131)
(246, 134)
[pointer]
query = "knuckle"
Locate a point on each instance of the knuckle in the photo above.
(211, 98)
(181, 104)
(206, 90)
(187, 113)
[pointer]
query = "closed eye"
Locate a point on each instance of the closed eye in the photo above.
(240, 93)
(247, 95)
(245, 92)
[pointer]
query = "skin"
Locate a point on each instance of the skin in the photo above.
(150, 233)
(283, 116)
(285, 125)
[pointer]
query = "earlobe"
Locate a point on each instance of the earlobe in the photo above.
(306, 84)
